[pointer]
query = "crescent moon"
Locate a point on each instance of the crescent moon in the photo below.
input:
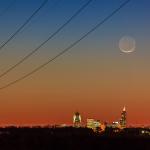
(127, 44)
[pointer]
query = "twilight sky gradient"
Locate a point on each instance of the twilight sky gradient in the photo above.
(94, 78)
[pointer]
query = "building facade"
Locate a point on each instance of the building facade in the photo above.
(77, 120)
(123, 120)
(93, 124)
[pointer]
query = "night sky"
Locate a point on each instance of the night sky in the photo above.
(94, 78)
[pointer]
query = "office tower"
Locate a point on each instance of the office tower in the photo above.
(123, 121)
(93, 124)
(77, 119)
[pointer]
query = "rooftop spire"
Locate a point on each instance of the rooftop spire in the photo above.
(124, 108)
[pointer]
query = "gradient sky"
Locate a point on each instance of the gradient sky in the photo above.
(94, 78)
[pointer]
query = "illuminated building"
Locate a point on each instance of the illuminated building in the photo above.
(93, 124)
(77, 119)
(123, 121)
(103, 127)
(116, 124)
(145, 132)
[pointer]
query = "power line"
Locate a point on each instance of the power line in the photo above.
(7, 8)
(51, 7)
(49, 38)
(69, 47)
(23, 25)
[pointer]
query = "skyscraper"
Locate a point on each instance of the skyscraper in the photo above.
(77, 119)
(123, 120)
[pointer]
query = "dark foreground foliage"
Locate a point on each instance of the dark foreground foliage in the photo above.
(37, 138)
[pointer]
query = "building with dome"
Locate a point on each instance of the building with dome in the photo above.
(77, 119)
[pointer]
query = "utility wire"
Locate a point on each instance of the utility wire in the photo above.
(69, 47)
(7, 8)
(23, 25)
(49, 38)
(52, 7)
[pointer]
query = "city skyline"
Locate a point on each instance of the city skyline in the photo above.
(82, 121)
(95, 78)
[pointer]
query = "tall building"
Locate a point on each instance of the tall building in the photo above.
(77, 119)
(123, 120)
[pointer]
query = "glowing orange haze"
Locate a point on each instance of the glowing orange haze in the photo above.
(97, 90)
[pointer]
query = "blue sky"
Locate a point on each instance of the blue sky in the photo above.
(132, 20)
